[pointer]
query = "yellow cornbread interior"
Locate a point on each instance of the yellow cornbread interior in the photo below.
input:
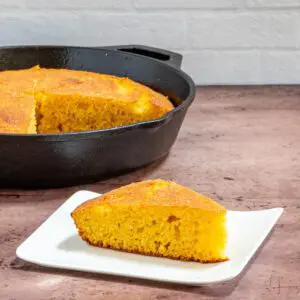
(179, 229)
(66, 113)
(39, 100)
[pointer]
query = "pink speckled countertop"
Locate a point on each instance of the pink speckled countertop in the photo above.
(238, 145)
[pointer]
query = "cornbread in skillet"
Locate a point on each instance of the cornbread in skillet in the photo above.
(76, 100)
(69, 100)
(155, 217)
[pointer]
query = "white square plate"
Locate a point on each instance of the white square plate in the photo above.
(56, 244)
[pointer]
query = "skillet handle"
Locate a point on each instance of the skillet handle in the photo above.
(171, 58)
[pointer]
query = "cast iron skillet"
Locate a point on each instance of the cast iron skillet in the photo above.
(55, 160)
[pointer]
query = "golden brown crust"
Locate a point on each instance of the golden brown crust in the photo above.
(181, 258)
(68, 82)
(156, 193)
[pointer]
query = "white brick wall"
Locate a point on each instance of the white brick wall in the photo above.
(223, 41)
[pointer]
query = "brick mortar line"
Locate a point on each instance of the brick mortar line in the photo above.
(131, 10)
(217, 10)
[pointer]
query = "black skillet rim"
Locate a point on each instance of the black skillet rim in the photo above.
(110, 131)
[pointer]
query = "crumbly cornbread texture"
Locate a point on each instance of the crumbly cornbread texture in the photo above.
(39, 100)
(155, 217)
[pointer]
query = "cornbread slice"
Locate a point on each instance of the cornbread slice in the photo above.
(69, 101)
(155, 217)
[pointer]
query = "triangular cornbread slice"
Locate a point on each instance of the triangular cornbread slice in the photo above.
(155, 217)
